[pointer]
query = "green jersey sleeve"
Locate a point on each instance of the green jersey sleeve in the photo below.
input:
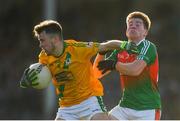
(148, 52)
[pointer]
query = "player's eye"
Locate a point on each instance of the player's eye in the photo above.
(130, 23)
(139, 23)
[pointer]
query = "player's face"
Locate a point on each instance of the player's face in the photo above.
(46, 43)
(135, 29)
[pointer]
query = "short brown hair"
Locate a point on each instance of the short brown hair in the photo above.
(141, 15)
(49, 26)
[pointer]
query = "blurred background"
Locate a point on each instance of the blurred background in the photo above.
(85, 20)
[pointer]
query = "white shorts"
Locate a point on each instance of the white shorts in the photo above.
(83, 111)
(122, 113)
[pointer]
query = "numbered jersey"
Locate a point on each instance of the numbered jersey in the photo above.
(72, 72)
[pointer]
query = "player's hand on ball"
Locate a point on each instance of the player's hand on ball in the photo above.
(29, 78)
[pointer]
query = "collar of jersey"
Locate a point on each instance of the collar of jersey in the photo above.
(140, 42)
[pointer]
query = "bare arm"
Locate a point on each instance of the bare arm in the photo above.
(132, 69)
(109, 45)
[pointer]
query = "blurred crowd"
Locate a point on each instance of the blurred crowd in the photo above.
(93, 20)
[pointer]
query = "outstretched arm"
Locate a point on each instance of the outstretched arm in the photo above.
(119, 45)
(110, 45)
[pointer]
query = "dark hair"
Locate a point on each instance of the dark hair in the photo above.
(141, 15)
(49, 26)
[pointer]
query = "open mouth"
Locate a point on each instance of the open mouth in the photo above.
(132, 30)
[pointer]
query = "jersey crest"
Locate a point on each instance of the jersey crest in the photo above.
(67, 61)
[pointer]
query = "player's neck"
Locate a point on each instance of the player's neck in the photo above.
(59, 49)
(136, 40)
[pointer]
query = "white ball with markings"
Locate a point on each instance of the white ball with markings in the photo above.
(44, 75)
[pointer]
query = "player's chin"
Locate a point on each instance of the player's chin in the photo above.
(132, 36)
(132, 33)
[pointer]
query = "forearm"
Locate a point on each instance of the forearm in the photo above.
(110, 45)
(132, 69)
(124, 68)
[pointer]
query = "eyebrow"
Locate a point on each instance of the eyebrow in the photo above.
(138, 21)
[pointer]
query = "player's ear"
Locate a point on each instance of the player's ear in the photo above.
(145, 32)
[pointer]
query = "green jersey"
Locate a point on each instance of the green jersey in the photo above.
(140, 92)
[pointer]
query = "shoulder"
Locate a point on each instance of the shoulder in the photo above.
(147, 45)
(69, 42)
(148, 51)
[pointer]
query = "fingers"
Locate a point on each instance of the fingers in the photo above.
(24, 79)
(101, 65)
(35, 83)
(132, 48)
(23, 84)
(104, 71)
(32, 75)
(33, 79)
(29, 78)
(26, 71)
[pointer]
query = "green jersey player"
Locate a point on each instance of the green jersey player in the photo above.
(138, 73)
